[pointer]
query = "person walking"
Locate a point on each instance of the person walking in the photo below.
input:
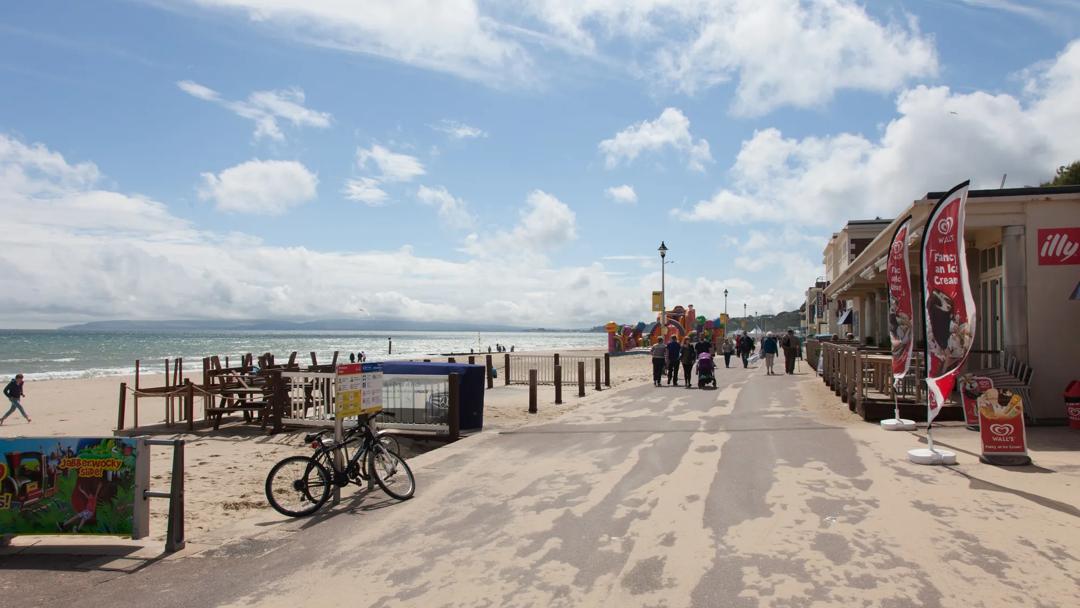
(688, 357)
(792, 351)
(727, 347)
(673, 352)
(770, 349)
(14, 392)
(744, 348)
(703, 346)
(352, 358)
(659, 357)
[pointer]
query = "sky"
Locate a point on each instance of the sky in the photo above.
(515, 162)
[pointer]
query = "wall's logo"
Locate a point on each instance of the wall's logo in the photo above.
(1074, 412)
(897, 247)
(945, 225)
(1001, 429)
(1059, 246)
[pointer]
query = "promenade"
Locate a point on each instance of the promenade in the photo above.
(764, 492)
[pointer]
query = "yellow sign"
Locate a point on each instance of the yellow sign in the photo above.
(350, 403)
(658, 301)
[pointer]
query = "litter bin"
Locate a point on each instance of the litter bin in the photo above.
(1072, 404)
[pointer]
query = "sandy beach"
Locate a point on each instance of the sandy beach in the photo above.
(226, 469)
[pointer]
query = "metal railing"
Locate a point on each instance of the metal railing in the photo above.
(416, 402)
(311, 395)
(545, 368)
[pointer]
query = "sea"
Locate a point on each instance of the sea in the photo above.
(48, 354)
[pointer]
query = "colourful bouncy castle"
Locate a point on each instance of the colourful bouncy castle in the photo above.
(678, 321)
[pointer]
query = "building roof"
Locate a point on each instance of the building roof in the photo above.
(1025, 191)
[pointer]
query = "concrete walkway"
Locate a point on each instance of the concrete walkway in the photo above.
(756, 494)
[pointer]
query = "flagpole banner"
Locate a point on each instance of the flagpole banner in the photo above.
(971, 388)
(901, 328)
(1001, 418)
(950, 308)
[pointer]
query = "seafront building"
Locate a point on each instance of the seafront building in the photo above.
(1023, 254)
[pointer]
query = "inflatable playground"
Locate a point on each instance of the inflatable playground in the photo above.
(678, 321)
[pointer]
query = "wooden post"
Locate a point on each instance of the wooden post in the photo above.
(453, 409)
(532, 391)
(135, 397)
(120, 408)
(168, 398)
(558, 385)
(472, 360)
(596, 373)
(333, 360)
(427, 360)
(205, 382)
(314, 359)
(506, 376)
(175, 527)
(277, 400)
(189, 405)
(556, 357)
(451, 360)
(490, 378)
(580, 378)
(607, 369)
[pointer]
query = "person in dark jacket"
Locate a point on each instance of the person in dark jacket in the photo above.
(673, 352)
(769, 348)
(14, 392)
(792, 351)
(745, 348)
(659, 357)
(688, 357)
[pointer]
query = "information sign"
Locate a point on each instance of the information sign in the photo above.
(359, 389)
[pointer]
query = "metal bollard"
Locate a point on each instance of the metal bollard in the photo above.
(558, 385)
(580, 378)
(532, 391)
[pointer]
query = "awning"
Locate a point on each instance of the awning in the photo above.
(845, 319)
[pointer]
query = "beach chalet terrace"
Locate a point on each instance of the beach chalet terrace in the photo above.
(1024, 270)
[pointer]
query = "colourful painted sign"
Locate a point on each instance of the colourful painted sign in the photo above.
(950, 308)
(1059, 246)
(358, 389)
(657, 301)
(65, 485)
(901, 322)
(1001, 423)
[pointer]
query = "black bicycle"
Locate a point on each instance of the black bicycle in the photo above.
(300, 485)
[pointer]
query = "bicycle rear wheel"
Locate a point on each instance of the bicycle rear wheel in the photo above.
(391, 473)
(297, 486)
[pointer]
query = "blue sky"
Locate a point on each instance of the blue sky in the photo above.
(517, 162)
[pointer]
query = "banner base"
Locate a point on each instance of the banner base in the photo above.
(1006, 460)
(926, 456)
(972, 427)
(898, 424)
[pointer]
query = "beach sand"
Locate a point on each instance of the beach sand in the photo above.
(226, 469)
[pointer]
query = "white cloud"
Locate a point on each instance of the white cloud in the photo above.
(622, 194)
(128, 257)
(365, 190)
(544, 223)
(260, 186)
(445, 35)
(264, 108)
(670, 130)
(459, 130)
(392, 166)
(775, 52)
(453, 211)
(938, 139)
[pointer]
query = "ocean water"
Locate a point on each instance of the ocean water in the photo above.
(45, 354)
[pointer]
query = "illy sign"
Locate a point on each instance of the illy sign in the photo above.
(1059, 246)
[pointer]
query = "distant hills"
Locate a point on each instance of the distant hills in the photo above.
(280, 325)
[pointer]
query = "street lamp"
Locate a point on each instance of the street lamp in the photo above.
(725, 301)
(744, 315)
(663, 289)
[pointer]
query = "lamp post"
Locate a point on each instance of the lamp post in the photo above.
(725, 301)
(663, 289)
(744, 315)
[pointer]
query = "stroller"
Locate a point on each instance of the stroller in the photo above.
(705, 370)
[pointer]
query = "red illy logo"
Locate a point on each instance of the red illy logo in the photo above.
(1059, 246)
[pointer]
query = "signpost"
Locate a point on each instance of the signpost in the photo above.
(358, 391)
(1001, 428)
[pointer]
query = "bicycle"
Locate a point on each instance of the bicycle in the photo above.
(298, 486)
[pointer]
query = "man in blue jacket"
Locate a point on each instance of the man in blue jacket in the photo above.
(14, 392)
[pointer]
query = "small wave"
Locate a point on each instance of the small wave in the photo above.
(80, 373)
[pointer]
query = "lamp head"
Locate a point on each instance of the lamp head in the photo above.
(662, 249)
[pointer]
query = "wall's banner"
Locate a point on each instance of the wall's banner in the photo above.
(901, 322)
(950, 308)
(971, 388)
(1001, 425)
(1059, 246)
(71, 485)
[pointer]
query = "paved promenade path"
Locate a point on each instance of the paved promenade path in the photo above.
(749, 495)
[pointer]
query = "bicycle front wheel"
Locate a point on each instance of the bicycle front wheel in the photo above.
(391, 473)
(297, 486)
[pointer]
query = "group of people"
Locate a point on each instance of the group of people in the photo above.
(670, 355)
(359, 357)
